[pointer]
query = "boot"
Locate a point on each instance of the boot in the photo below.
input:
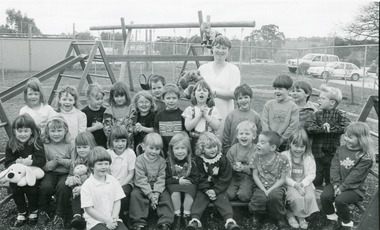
(177, 222)
(257, 221)
(185, 220)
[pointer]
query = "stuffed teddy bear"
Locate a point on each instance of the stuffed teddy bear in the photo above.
(80, 175)
(188, 80)
(21, 174)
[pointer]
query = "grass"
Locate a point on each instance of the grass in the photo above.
(258, 76)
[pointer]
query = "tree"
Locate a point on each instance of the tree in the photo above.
(366, 24)
(84, 36)
(18, 23)
(268, 36)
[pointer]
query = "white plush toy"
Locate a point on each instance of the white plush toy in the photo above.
(21, 174)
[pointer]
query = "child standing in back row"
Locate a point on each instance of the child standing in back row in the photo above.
(68, 109)
(349, 169)
(281, 114)
(94, 112)
(157, 84)
(168, 122)
(243, 96)
(25, 147)
(36, 105)
(119, 101)
(325, 127)
(202, 116)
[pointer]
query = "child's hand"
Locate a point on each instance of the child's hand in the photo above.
(300, 188)
(337, 191)
(76, 191)
(50, 165)
(25, 161)
(204, 109)
(238, 167)
(59, 160)
(97, 125)
(138, 127)
(183, 181)
(326, 127)
(211, 194)
(111, 224)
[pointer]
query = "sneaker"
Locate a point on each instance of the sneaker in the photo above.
(43, 219)
(139, 227)
(32, 217)
(20, 220)
(78, 222)
(58, 222)
(164, 226)
(194, 224)
(231, 225)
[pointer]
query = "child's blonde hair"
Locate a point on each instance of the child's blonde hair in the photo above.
(24, 121)
(94, 90)
(361, 131)
(98, 154)
(246, 124)
(35, 85)
(118, 132)
(148, 95)
(333, 93)
(300, 137)
(68, 90)
(119, 89)
(183, 138)
(210, 98)
(153, 139)
(56, 122)
(207, 139)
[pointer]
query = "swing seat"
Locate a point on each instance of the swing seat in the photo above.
(145, 82)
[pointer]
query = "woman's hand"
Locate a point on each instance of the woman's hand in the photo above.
(299, 187)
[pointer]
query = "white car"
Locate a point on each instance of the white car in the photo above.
(337, 70)
(313, 59)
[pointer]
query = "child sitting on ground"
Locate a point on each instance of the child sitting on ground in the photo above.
(269, 172)
(300, 194)
(157, 84)
(240, 155)
(215, 174)
(150, 186)
(243, 96)
(101, 194)
(325, 127)
(301, 92)
(281, 114)
(349, 169)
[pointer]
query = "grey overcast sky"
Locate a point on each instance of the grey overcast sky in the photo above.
(294, 17)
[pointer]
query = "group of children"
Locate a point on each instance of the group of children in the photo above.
(146, 153)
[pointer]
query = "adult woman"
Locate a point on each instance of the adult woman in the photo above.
(223, 78)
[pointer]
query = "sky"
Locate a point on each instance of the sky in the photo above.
(295, 18)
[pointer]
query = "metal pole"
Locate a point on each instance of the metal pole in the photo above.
(30, 47)
(364, 65)
(2, 60)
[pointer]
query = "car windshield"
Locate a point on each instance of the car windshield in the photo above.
(308, 57)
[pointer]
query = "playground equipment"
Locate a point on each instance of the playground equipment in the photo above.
(126, 59)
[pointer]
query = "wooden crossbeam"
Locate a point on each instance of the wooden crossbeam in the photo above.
(134, 58)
